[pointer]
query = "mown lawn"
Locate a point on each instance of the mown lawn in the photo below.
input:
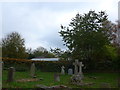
(48, 80)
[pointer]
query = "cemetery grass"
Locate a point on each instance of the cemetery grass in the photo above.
(48, 80)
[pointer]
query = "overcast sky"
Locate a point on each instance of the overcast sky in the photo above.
(39, 22)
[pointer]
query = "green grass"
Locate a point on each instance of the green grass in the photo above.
(48, 80)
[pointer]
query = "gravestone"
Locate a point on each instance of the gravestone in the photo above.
(70, 71)
(80, 69)
(56, 77)
(78, 75)
(62, 70)
(76, 67)
(11, 72)
(32, 70)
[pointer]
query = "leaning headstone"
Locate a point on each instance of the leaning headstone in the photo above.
(11, 72)
(32, 70)
(62, 70)
(56, 77)
(70, 71)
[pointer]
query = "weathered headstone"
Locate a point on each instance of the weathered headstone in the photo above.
(62, 70)
(32, 70)
(11, 71)
(56, 77)
(80, 69)
(70, 71)
(78, 75)
(76, 67)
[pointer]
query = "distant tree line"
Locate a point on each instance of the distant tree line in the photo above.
(13, 46)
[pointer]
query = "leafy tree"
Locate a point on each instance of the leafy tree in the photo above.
(42, 52)
(66, 56)
(86, 35)
(63, 55)
(29, 51)
(13, 46)
(57, 52)
(112, 29)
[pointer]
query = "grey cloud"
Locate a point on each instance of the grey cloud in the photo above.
(39, 23)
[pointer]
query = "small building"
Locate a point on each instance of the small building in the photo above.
(45, 59)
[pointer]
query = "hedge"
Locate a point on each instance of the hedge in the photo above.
(55, 66)
(45, 66)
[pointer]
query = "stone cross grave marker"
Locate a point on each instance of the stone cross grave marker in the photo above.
(32, 70)
(78, 75)
(11, 71)
(80, 69)
(70, 71)
(62, 70)
(56, 77)
(76, 67)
